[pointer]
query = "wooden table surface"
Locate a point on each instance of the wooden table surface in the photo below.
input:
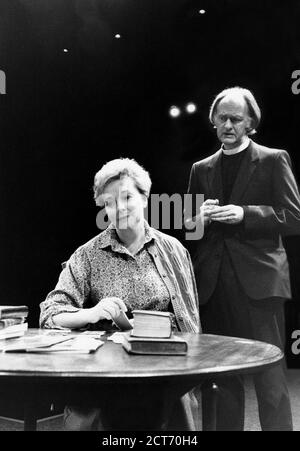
(136, 392)
(207, 354)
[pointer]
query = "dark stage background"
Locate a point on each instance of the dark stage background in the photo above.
(77, 97)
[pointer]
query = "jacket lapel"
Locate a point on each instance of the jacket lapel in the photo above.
(245, 173)
(214, 177)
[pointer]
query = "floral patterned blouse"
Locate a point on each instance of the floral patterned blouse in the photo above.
(103, 267)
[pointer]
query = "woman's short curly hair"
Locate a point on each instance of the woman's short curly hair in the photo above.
(237, 91)
(115, 170)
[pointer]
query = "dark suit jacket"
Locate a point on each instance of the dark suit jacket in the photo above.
(266, 188)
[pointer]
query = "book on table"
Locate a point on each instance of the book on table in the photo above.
(151, 323)
(78, 345)
(13, 321)
(173, 345)
(13, 331)
(29, 342)
(42, 343)
(8, 322)
(13, 311)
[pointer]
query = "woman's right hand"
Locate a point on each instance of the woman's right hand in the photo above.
(108, 308)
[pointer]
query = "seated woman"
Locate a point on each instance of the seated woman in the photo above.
(128, 266)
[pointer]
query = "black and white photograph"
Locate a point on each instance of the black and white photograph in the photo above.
(150, 218)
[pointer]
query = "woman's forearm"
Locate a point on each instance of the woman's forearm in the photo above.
(74, 320)
(107, 308)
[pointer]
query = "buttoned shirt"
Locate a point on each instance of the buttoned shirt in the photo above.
(159, 274)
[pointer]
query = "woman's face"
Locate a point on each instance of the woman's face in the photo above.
(124, 204)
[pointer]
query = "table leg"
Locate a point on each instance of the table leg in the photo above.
(30, 417)
(209, 419)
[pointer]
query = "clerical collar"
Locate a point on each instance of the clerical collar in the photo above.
(238, 149)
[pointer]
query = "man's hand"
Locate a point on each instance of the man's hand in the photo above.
(228, 214)
(206, 209)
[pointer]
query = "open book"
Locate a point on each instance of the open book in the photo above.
(27, 343)
(79, 343)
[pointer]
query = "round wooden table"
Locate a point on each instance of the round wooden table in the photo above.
(136, 392)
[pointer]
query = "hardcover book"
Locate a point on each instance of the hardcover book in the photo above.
(159, 346)
(14, 331)
(13, 311)
(8, 322)
(151, 323)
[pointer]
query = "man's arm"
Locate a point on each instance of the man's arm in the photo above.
(283, 217)
(197, 212)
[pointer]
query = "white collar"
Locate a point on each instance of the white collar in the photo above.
(238, 149)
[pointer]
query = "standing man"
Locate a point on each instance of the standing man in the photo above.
(251, 201)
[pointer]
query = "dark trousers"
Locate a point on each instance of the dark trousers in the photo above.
(231, 312)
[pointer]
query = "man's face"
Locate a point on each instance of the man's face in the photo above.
(232, 121)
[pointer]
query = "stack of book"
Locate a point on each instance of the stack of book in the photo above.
(152, 334)
(13, 321)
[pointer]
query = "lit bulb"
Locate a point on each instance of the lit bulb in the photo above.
(174, 111)
(191, 108)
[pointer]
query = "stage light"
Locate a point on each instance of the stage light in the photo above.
(66, 50)
(191, 108)
(174, 111)
(118, 36)
(202, 11)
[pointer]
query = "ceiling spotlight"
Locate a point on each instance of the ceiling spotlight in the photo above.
(174, 111)
(202, 11)
(191, 108)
